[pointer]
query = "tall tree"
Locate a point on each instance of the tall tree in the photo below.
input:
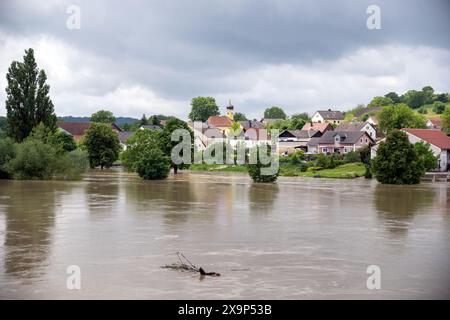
(445, 120)
(415, 99)
(103, 116)
(202, 108)
(102, 145)
(398, 117)
(393, 96)
(144, 120)
(274, 113)
(380, 102)
(397, 161)
(167, 144)
(27, 98)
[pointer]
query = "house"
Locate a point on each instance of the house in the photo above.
(78, 129)
(313, 145)
(322, 127)
(358, 126)
(223, 123)
(290, 141)
(123, 136)
(327, 116)
(434, 123)
(372, 120)
(343, 141)
(204, 135)
(439, 144)
(247, 124)
(150, 127)
(267, 121)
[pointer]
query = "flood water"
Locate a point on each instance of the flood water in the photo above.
(301, 238)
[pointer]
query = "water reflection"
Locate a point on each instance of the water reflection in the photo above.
(397, 205)
(28, 225)
(262, 197)
(102, 191)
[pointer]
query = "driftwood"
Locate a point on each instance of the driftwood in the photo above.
(185, 265)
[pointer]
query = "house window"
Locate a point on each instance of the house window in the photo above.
(324, 150)
(336, 139)
(367, 140)
(361, 140)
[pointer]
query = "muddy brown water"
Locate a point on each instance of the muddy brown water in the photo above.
(300, 238)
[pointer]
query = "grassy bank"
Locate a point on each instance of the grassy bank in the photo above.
(346, 171)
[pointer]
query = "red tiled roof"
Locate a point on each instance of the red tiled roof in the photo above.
(219, 121)
(434, 137)
(322, 127)
(435, 121)
(74, 128)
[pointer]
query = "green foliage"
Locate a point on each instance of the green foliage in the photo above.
(202, 108)
(393, 96)
(380, 102)
(143, 121)
(102, 145)
(399, 116)
(422, 110)
(27, 98)
(397, 161)
(414, 99)
(326, 161)
(352, 156)
(428, 93)
(166, 144)
(254, 170)
(426, 156)
(445, 120)
(103, 116)
(64, 140)
(442, 97)
(7, 153)
(274, 113)
(136, 144)
(438, 107)
(130, 127)
(153, 164)
(227, 157)
(238, 116)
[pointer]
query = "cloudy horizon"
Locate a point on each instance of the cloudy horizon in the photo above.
(153, 57)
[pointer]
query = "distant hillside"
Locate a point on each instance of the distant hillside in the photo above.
(119, 120)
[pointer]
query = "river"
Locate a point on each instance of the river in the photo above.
(301, 238)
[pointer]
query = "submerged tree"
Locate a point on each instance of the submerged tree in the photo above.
(27, 98)
(102, 145)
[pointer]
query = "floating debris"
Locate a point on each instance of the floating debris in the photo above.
(184, 264)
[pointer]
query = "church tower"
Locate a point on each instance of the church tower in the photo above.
(230, 111)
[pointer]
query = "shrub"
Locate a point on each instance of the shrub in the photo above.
(397, 161)
(426, 156)
(7, 153)
(136, 144)
(260, 172)
(352, 156)
(422, 110)
(438, 107)
(64, 141)
(34, 160)
(153, 164)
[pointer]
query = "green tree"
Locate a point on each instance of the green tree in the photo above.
(136, 145)
(7, 153)
(414, 99)
(397, 161)
(442, 97)
(102, 145)
(153, 164)
(144, 121)
(27, 98)
(274, 113)
(399, 116)
(166, 143)
(203, 108)
(393, 96)
(64, 140)
(426, 156)
(103, 116)
(380, 102)
(34, 160)
(428, 93)
(445, 121)
(438, 107)
(255, 169)
(238, 116)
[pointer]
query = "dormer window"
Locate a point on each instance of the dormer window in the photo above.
(337, 138)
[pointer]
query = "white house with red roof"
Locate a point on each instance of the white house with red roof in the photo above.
(439, 144)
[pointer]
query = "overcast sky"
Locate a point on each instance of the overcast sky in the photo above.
(135, 57)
